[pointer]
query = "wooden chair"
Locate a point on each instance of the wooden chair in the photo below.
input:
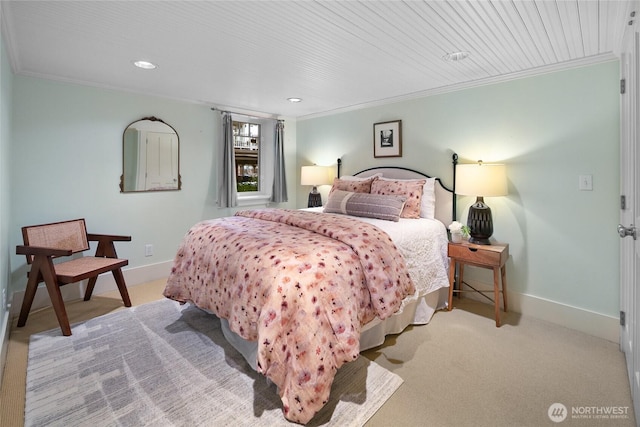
(45, 242)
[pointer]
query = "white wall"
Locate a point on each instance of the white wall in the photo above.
(67, 162)
(6, 90)
(548, 129)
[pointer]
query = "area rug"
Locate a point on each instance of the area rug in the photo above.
(162, 364)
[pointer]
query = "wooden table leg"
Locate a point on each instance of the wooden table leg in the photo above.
(452, 281)
(503, 271)
(496, 294)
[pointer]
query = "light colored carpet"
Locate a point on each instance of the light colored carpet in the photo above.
(458, 371)
(164, 364)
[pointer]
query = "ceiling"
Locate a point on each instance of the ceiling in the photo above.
(250, 56)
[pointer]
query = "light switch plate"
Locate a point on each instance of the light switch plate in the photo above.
(585, 182)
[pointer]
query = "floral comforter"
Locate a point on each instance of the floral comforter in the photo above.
(300, 283)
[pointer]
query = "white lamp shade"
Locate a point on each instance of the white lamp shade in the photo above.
(481, 179)
(315, 175)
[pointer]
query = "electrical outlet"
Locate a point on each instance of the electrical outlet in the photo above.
(148, 250)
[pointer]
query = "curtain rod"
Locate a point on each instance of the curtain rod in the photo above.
(247, 114)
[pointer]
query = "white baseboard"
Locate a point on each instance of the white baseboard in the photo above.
(4, 333)
(105, 283)
(589, 322)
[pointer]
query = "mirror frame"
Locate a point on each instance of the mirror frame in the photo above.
(151, 119)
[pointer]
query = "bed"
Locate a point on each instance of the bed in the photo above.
(301, 292)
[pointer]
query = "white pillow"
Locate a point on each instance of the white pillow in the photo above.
(428, 201)
(357, 178)
(428, 205)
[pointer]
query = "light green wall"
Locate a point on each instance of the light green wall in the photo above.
(548, 129)
(64, 151)
(6, 91)
(67, 162)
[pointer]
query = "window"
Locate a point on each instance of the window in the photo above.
(254, 150)
(246, 145)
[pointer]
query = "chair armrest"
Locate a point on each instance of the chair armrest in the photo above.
(106, 248)
(40, 250)
(109, 237)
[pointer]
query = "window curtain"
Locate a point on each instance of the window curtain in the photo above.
(227, 190)
(279, 193)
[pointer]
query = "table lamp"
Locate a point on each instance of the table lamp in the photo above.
(481, 180)
(314, 175)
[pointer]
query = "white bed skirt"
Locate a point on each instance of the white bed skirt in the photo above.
(373, 334)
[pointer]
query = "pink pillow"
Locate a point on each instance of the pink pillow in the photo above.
(412, 190)
(360, 186)
(428, 203)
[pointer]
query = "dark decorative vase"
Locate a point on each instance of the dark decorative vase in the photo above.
(480, 222)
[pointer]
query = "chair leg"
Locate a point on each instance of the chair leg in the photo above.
(58, 307)
(56, 298)
(90, 286)
(30, 293)
(122, 287)
(42, 270)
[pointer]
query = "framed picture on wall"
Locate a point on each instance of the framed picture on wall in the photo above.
(387, 139)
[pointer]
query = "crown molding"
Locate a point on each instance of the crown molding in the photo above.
(533, 72)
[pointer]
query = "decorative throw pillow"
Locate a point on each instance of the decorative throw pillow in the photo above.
(365, 205)
(412, 190)
(428, 201)
(363, 186)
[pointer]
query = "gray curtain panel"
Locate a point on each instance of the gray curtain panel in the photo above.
(227, 190)
(279, 193)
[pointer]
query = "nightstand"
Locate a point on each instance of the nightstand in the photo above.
(492, 256)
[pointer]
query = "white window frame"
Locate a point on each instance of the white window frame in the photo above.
(266, 162)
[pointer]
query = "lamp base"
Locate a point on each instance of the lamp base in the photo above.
(480, 222)
(479, 241)
(315, 199)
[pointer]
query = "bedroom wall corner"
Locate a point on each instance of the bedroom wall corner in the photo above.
(290, 149)
(548, 129)
(70, 136)
(6, 103)
(589, 322)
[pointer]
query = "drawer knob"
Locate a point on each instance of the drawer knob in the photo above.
(473, 249)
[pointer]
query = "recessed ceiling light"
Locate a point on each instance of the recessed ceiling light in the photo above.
(145, 65)
(294, 100)
(455, 56)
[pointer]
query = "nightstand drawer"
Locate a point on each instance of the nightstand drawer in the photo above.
(484, 255)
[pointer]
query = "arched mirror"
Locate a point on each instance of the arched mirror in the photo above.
(150, 157)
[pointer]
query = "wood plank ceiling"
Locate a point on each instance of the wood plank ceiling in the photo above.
(335, 55)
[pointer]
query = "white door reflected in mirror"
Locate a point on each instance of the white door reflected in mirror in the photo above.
(151, 157)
